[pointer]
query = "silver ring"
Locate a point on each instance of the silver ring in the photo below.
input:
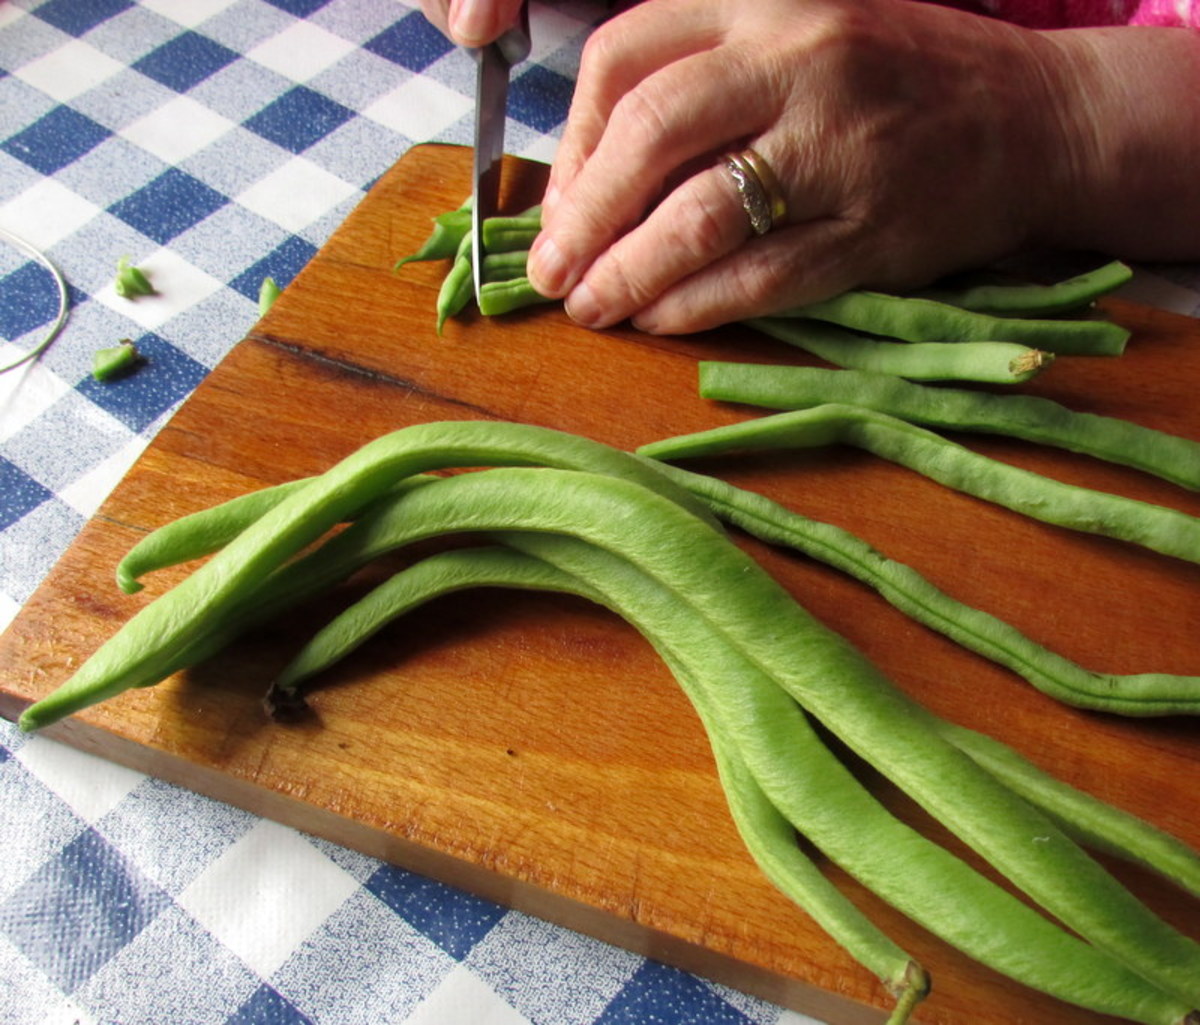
(759, 190)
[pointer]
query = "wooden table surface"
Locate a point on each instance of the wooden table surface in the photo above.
(533, 749)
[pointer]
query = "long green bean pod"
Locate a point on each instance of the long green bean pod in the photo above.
(1159, 528)
(1134, 694)
(936, 889)
(1029, 417)
(742, 607)
(923, 320)
(147, 647)
(768, 835)
(984, 361)
(1029, 299)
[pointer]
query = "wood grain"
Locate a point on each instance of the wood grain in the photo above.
(532, 749)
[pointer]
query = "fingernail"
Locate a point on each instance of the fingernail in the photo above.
(471, 22)
(582, 307)
(547, 267)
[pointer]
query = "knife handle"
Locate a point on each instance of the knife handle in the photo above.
(516, 43)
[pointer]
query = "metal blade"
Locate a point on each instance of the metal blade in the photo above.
(494, 62)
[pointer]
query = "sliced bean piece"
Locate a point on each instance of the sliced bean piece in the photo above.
(1029, 417)
(505, 266)
(922, 320)
(1025, 299)
(507, 234)
(983, 362)
(1135, 694)
(1159, 528)
(499, 297)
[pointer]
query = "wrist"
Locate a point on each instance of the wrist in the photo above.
(1123, 142)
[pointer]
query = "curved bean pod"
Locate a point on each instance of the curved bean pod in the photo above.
(1156, 527)
(677, 556)
(147, 647)
(1029, 417)
(768, 835)
(984, 362)
(1033, 300)
(1135, 694)
(923, 320)
(743, 606)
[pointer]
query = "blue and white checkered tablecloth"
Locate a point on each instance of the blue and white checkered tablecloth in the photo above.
(213, 143)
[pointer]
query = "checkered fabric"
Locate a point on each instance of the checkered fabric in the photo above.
(213, 143)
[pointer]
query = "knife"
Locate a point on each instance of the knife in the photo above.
(494, 62)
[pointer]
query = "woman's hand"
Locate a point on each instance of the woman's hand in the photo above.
(910, 140)
(472, 22)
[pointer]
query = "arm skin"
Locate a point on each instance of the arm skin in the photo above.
(912, 140)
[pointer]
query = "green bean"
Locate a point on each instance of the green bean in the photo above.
(1092, 822)
(923, 320)
(1135, 694)
(1158, 528)
(449, 228)
(499, 297)
(768, 835)
(115, 361)
(458, 286)
(1024, 299)
(146, 648)
(130, 281)
(984, 362)
(737, 600)
(812, 785)
(268, 292)
(198, 534)
(1029, 417)
(740, 603)
(507, 234)
(505, 266)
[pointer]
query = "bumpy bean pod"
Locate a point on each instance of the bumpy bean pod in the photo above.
(984, 362)
(1156, 527)
(147, 647)
(923, 320)
(741, 606)
(1135, 694)
(1029, 417)
(1028, 299)
(768, 835)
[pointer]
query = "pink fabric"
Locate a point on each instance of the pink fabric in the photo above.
(1043, 14)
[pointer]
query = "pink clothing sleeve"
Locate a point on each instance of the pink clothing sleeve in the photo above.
(1044, 14)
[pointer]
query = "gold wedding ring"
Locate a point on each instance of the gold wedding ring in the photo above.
(759, 190)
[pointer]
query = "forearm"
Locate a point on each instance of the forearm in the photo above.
(1128, 104)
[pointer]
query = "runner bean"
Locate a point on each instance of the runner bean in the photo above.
(1156, 527)
(1025, 299)
(1029, 417)
(983, 362)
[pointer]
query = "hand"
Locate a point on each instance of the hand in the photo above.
(910, 139)
(472, 22)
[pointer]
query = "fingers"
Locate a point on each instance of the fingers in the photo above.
(700, 222)
(618, 56)
(472, 22)
(693, 107)
(791, 267)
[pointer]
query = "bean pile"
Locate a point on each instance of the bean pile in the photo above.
(648, 540)
(563, 513)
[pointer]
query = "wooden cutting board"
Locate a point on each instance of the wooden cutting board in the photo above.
(533, 749)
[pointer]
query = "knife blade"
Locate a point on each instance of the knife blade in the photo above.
(494, 63)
